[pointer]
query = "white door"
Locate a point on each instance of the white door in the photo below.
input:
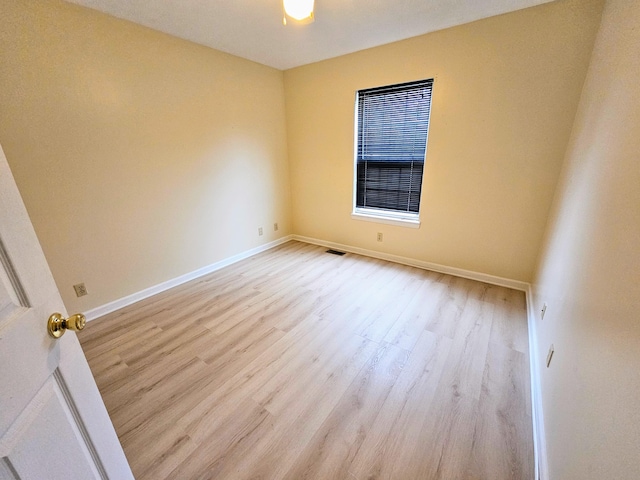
(53, 423)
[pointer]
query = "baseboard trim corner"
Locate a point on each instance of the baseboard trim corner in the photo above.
(161, 287)
(457, 272)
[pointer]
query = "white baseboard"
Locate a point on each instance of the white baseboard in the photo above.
(539, 438)
(148, 292)
(458, 272)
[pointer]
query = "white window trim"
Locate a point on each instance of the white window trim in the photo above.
(388, 218)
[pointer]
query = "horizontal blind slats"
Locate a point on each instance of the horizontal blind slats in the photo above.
(393, 123)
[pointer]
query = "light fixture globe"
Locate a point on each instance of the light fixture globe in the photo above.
(299, 10)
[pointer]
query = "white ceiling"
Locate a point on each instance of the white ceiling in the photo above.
(253, 29)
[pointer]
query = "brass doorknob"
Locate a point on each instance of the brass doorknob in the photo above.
(57, 324)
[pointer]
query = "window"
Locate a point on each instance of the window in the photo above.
(391, 144)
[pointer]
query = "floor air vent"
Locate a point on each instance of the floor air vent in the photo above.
(335, 252)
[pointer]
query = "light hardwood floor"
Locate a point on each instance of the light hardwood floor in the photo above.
(299, 364)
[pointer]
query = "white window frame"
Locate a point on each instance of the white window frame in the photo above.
(388, 217)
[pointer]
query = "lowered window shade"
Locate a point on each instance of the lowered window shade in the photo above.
(393, 122)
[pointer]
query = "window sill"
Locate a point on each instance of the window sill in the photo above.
(375, 217)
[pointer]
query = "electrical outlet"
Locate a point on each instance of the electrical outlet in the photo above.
(379, 236)
(550, 355)
(275, 227)
(81, 290)
(260, 231)
(544, 310)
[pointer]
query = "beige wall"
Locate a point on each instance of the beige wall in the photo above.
(589, 271)
(504, 99)
(140, 157)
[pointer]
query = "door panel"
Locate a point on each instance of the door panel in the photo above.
(53, 423)
(48, 417)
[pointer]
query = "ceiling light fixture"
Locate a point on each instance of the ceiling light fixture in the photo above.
(300, 11)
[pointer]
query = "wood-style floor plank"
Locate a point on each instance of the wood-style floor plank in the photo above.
(334, 445)
(298, 364)
(387, 450)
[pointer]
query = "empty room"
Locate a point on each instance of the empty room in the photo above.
(320, 239)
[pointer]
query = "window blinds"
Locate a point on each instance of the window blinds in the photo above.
(393, 122)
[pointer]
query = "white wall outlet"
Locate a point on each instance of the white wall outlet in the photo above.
(544, 310)
(550, 355)
(379, 236)
(275, 227)
(81, 290)
(260, 231)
